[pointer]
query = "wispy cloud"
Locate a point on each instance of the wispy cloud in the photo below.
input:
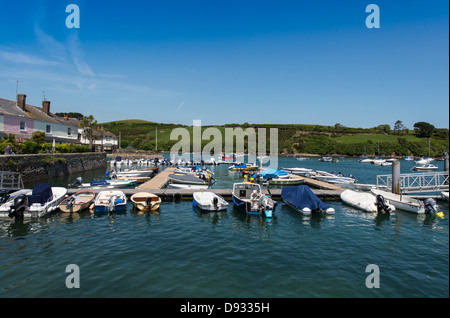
(24, 58)
(180, 106)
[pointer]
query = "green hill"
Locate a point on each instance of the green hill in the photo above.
(296, 139)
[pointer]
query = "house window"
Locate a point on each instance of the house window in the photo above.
(69, 131)
(108, 138)
(48, 129)
(23, 125)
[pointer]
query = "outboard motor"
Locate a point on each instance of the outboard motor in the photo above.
(215, 202)
(431, 207)
(19, 205)
(78, 181)
(381, 205)
(4, 196)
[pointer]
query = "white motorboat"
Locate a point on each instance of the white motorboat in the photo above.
(186, 179)
(12, 202)
(299, 171)
(425, 167)
(209, 201)
(134, 173)
(407, 203)
(336, 179)
(366, 201)
(187, 186)
(424, 161)
(44, 199)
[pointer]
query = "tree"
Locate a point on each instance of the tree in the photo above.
(398, 126)
(38, 137)
(88, 125)
(423, 129)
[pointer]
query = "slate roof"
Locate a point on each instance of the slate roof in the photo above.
(8, 107)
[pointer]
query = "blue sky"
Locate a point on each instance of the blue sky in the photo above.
(230, 61)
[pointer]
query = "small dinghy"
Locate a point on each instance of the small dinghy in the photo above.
(366, 201)
(302, 199)
(209, 201)
(146, 201)
(110, 201)
(77, 201)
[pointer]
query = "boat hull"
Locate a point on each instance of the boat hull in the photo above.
(401, 202)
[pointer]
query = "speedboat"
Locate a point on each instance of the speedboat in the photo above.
(303, 200)
(43, 199)
(186, 179)
(248, 197)
(425, 167)
(110, 200)
(407, 203)
(209, 201)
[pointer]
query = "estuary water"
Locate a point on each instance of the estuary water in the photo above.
(180, 252)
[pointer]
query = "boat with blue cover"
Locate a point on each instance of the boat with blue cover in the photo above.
(248, 197)
(302, 199)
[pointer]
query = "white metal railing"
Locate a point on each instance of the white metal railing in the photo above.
(417, 182)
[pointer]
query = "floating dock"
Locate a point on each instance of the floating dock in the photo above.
(159, 181)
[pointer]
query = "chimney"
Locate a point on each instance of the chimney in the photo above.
(46, 106)
(21, 101)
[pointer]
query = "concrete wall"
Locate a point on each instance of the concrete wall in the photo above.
(33, 167)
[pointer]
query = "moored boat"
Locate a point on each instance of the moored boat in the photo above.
(407, 203)
(186, 179)
(44, 199)
(290, 179)
(110, 201)
(249, 198)
(78, 201)
(145, 201)
(425, 167)
(366, 201)
(13, 203)
(187, 186)
(243, 167)
(303, 200)
(209, 201)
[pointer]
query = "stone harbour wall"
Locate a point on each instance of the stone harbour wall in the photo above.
(37, 167)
